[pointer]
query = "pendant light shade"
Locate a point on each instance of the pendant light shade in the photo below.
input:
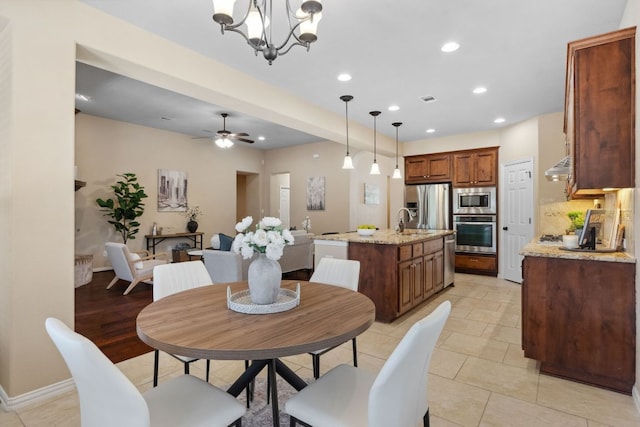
(375, 169)
(348, 163)
(396, 171)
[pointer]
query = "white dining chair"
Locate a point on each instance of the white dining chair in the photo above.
(108, 398)
(351, 397)
(172, 278)
(338, 272)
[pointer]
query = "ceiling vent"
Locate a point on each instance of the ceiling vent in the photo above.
(429, 98)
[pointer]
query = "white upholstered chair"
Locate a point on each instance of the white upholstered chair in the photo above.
(351, 397)
(131, 266)
(225, 266)
(169, 279)
(108, 398)
(338, 272)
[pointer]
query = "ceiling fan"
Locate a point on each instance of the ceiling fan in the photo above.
(224, 138)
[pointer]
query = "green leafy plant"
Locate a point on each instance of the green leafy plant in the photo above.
(577, 219)
(126, 207)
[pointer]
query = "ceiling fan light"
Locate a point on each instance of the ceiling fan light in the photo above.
(396, 173)
(375, 169)
(223, 11)
(224, 142)
(348, 163)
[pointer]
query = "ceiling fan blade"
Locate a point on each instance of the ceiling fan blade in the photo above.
(249, 141)
(235, 135)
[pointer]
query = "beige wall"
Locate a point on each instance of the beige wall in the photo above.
(105, 148)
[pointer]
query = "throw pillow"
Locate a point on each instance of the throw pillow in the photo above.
(225, 242)
(138, 265)
(215, 241)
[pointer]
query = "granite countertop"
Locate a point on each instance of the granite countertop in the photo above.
(555, 250)
(388, 236)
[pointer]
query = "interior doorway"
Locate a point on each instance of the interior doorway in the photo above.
(247, 195)
(280, 197)
(517, 216)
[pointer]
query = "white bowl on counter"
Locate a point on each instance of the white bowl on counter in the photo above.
(366, 231)
(570, 241)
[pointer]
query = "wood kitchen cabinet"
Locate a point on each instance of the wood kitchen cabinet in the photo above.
(397, 278)
(477, 264)
(578, 319)
(476, 168)
(427, 168)
(600, 112)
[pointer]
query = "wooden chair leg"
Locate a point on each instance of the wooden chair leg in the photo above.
(113, 282)
(131, 286)
(156, 363)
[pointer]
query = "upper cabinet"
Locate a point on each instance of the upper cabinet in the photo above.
(599, 112)
(476, 168)
(427, 168)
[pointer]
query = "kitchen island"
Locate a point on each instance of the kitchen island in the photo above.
(398, 271)
(578, 314)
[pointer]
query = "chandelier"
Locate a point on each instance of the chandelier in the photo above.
(303, 25)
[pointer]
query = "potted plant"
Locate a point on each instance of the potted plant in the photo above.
(126, 207)
(192, 214)
(577, 221)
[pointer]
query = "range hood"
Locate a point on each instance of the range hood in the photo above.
(560, 171)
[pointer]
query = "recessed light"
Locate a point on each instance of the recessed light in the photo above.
(166, 118)
(499, 120)
(261, 138)
(479, 90)
(393, 108)
(429, 98)
(450, 47)
(344, 77)
(431, 130)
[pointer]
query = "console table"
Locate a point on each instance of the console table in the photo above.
(153, 240)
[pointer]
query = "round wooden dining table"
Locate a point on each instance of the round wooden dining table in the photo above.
(197, 323)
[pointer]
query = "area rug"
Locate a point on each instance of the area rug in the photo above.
(259, 413)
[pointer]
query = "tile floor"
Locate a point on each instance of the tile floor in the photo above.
(478, 375)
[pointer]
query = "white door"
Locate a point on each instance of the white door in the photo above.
(284, 206)
(517, 218)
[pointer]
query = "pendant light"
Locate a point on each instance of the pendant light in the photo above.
(348, 163)
(396, 171)
(375, 169)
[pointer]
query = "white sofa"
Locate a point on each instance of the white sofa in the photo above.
(227, 266)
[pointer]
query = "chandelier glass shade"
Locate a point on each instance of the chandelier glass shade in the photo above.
(348, 163)
(396, 171)
(302, 30)
(375, 169)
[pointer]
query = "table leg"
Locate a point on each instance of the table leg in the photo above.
(274, 393)
(244, 380)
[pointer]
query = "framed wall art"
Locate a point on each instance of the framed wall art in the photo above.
(371, 194)
(172, 191)
(315, 193)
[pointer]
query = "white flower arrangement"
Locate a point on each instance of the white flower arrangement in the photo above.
(269, 238)
(306, 224)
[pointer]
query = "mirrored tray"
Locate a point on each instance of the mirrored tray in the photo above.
(241, 302)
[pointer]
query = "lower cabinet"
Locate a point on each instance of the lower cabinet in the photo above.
(477, 264)
(397, 278)
(578, 320)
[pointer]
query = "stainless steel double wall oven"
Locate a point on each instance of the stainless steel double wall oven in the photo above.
(474, 219)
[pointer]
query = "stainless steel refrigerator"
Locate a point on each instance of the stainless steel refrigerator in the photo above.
(431, 206)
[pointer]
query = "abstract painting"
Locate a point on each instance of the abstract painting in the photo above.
(315, 193)
(172, 191)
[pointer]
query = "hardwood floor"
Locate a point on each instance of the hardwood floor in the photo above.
(108, 318)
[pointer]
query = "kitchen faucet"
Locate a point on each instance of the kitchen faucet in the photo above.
(400, 228)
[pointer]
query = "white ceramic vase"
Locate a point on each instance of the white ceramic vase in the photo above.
(264, 278)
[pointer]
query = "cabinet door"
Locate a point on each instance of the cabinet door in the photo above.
(485, 169)
(415, 169)
(405, 285)
(429, 273)
(438, 271)
(463, 170)
(438, 167)
(419, 276)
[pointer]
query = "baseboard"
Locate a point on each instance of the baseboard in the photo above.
(12, 403)
(635, 393)
(100, 269)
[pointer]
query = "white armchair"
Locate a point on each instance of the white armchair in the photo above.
(132, 267)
